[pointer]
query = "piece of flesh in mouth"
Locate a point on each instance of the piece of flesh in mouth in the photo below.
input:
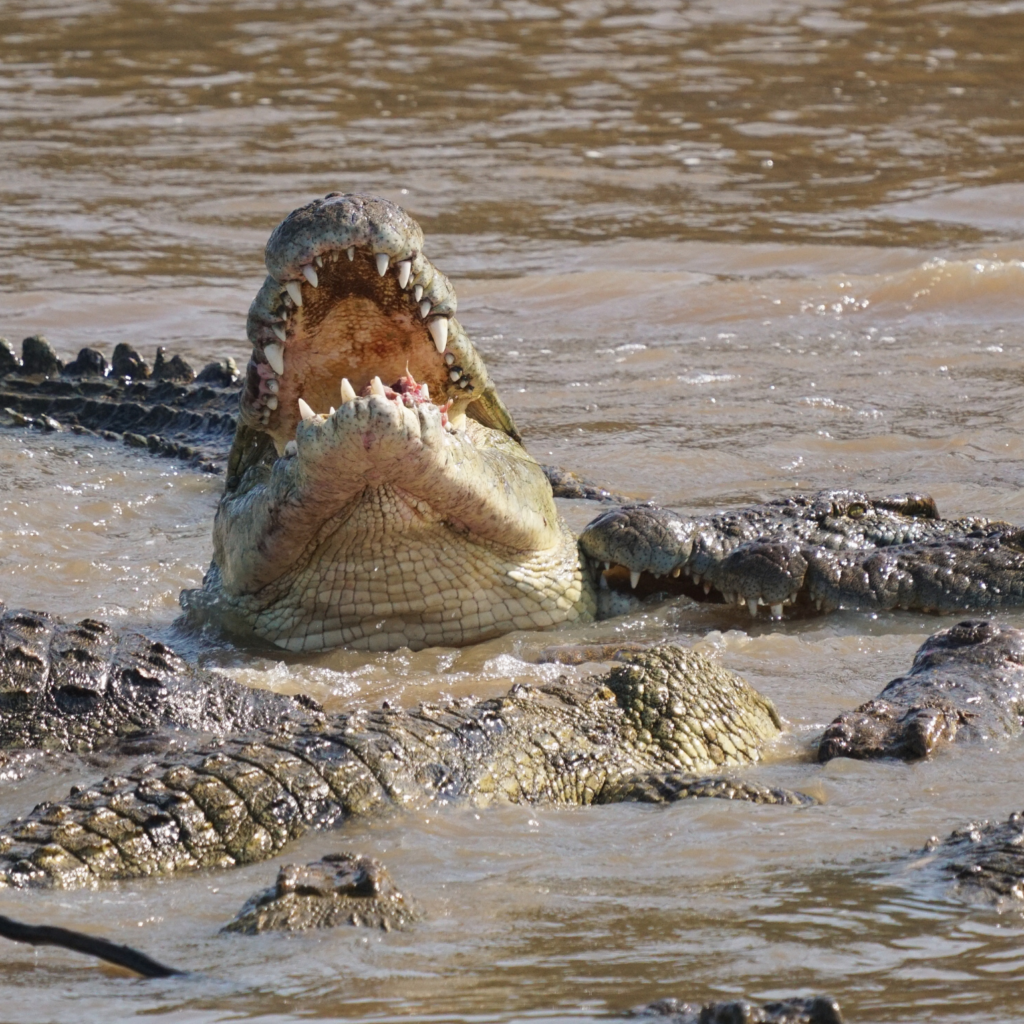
(355, 325)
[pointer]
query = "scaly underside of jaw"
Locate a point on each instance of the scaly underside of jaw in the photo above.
(350, 300)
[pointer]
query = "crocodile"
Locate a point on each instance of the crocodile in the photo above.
(650, 729)
(84, 687)
(985, 859)
(378, 494)
(340, 888)
(794, 1010)
(966, 684)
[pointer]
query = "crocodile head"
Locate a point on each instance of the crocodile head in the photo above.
(378, 494)
(351, 298)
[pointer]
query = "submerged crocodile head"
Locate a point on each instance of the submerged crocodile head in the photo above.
(378, 495)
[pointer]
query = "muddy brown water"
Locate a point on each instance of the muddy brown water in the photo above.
(713, 253)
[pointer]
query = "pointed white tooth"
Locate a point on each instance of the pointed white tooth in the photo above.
(776, 611)
(454, 375)
(607, 566)
(295, 291)
(417, 292)
(351, 252)
(333, 411)
(752, 607)
(449, 358)
(676, 572)
(348, 393)
(275, 356)
(319, 262)
(272, 402)
(425, 392)
(707, 587)
(439, 332)
(404, 270)
(425, 307)
(634, 579)
(603, 583)
(376, 388)
(309, 273)
(304, 410)
(279, 331)
(291, 449)
(383, 260)
(273, 386)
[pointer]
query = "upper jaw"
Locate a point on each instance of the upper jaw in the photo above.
(351, 295)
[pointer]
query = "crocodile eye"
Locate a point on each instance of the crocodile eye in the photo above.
(856, 511)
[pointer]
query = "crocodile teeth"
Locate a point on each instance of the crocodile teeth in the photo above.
(272, 402)
(383, 260)
(319, 262)
(333, 411)
(676, 571)
(295, 291)
(752, 607)
(454, 375)
(290, 449)
(273, 386)
(275, 356)
(425, 307)
(348, 393)
(776, 611)
(634, 579)
(439, 332)
(417, 292)
(404, 270)
(376, 388)
(351, 253)
(424, 392)
(310, 275)
(279, 331)
(304, 410)
(707, 587)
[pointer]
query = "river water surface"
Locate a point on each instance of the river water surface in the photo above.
(713, 253)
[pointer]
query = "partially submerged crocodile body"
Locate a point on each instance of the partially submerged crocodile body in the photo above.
(647, 730)
(378, 494)
(966, 683)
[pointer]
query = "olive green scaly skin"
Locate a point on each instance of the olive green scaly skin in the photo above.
(646, 730)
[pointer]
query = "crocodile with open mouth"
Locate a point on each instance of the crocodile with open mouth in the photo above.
(378, 494)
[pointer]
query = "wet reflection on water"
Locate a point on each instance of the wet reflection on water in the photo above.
(712, 254)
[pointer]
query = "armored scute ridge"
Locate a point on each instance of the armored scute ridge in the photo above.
(649, 730)
(167, 410)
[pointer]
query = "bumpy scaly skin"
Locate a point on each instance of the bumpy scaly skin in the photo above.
(342, 888)
(986, 859)
(667, 712)
(194, 422)
(797, 1010)
(391, 521)
(830, 550)
(85, 686)
(966, 683)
